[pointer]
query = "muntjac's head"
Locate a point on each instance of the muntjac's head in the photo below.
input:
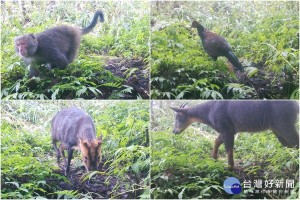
(90, 151)
(184, 117)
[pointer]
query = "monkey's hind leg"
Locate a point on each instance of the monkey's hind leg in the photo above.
(60, 61)
(73, 51)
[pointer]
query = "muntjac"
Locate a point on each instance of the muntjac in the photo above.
(231, 117)
(76, 130)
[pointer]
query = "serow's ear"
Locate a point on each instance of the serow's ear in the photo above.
(178, 109)
(32, 35)
(100, 137)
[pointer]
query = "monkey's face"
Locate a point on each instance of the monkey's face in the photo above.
(26, 45)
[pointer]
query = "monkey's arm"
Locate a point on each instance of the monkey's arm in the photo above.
(33, 71)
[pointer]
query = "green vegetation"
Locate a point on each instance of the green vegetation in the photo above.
(114, 53)
(181, 166)
(263, 35)
(28, 161)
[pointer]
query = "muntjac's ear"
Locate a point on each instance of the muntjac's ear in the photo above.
(178, 109)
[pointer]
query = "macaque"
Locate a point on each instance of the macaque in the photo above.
(56, 46)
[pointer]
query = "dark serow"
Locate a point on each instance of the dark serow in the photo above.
(75, 130)
(215, 45)
(231, 117)
(57, 46)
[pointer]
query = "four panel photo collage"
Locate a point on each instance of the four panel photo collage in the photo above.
(149, 99)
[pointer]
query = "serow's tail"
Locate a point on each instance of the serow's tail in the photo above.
(234, 61)
(89, 28)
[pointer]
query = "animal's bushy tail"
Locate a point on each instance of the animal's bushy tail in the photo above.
(234, 60)
(89, 28)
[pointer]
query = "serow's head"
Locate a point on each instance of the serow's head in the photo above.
(90, 152)
(182, 119)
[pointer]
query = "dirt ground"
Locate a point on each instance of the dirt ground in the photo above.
(100, 186)
(133, 73)
(267, 84)
(139, 81)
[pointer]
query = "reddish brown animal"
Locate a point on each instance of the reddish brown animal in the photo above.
(215, 45)
(231, 117)
(76, 130)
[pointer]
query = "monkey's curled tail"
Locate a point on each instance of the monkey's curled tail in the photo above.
(94, 22)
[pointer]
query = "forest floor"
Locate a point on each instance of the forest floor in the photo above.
(139, 82)
(99, 186)
(118, 78)
(264, 85)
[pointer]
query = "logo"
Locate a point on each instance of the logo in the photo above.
(232, 185)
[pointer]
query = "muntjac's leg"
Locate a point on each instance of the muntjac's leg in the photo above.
(287, 135)
(230, 158)
(228, 139)
(70, 154)
(217, 144)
